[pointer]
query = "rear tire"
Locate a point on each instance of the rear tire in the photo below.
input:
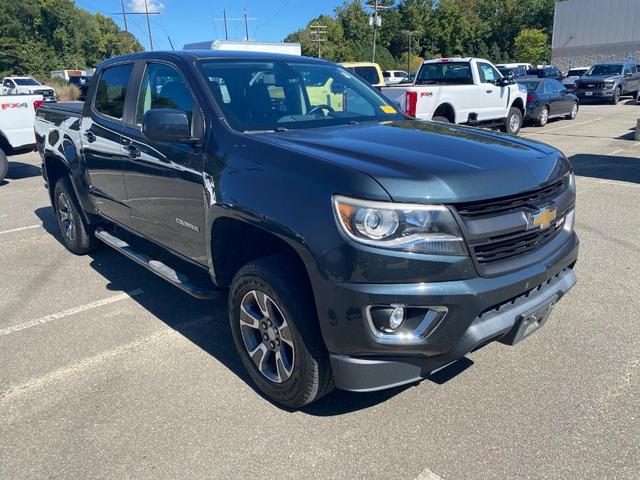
(440, 119)
(276, 332)
(513, 122)
(543, 117)
(4, 165)
(77, 235)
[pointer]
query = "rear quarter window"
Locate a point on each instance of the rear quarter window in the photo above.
(112, 90)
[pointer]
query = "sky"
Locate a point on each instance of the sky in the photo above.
(187, 21)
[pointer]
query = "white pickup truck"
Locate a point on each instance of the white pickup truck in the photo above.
(17, 116)
(27, 86)
(462, 90)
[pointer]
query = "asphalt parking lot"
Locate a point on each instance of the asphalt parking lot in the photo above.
(108, 372)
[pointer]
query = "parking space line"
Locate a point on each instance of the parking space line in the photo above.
(71, 311)
(542, 132)
(30, 227)
(427, 474)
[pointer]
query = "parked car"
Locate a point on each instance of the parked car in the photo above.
(82, 82)
(393, 77)
(609, 81)
(547, 98)
(27, 86)
(572, 75)
(546, 72)
(462, 90)
(517, 72)
(356, 246)
(17, 114)
(367, 70)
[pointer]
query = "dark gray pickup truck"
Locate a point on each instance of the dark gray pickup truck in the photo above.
(357, 247)
(608, 81)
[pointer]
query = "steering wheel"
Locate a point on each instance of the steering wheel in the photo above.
(319, 108)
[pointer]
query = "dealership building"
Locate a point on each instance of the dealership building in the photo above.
(590, 31)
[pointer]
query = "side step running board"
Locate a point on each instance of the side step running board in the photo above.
(164, 271)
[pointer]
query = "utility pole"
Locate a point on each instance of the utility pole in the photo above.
(376, 21)
(244, 19)
(146, 13)
(318, 34)
(409, 34)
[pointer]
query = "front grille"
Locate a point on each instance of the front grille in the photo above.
(531, 199)
(47, 93)
(587, 85)
(508, 246)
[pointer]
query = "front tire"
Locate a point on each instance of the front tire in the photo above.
(574, 111)
(276, 332)
(616, 96)
(513, 122)
(77, 235)
(4, 165)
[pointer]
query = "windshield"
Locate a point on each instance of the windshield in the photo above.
(531, 86)
(577, 72)
(26, 81)
(606, 69)
(458, 73)
(259, 95)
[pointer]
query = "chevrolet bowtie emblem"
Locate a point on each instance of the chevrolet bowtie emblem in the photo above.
(543, 219)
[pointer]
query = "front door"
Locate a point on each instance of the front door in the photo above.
(494, 96)
(101, 139)
(164, 179)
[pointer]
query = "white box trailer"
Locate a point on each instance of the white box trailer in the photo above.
(66, 74)
(268, 47)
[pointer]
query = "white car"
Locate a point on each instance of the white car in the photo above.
(572, 75)
(27, 86)
(393, 77)
(17, 116)
(462, 90)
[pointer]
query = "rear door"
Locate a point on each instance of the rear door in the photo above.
(493, 96)
(164, 180)
(101, 139)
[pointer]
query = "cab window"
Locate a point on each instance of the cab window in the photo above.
(112, 90)
(163, 87)
(487, 73)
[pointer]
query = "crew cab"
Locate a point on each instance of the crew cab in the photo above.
(27, 86)
(609, 81)
(356, 247)
(17, 114)
(462, 90)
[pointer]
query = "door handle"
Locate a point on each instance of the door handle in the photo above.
(489, 91)
(132, 151)
(90, 136)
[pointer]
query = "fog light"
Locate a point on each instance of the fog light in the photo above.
(396, 318)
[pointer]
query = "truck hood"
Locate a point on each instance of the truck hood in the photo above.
(427, 162)
(599, 78)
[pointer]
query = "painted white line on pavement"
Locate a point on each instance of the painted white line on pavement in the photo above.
(30, 227)
(69, 312)
(427, 474)
(542, 132)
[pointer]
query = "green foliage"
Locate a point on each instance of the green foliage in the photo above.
(474, 28)
(532, 46)
(38, 36)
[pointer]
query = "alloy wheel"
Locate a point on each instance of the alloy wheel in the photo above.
(574, 111)
(267, 336)
(514, 123)
(65, 213)
(544, 117)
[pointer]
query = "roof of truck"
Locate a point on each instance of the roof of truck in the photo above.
(193, 55)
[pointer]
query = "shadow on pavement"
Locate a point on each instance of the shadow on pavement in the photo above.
(205, 323)
(19, 170)
(609, 167)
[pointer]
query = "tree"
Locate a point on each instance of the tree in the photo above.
(532, 46)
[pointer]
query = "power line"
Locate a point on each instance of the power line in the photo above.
(146, 13)
(245, 18)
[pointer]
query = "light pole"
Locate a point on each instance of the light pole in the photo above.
(409, 34)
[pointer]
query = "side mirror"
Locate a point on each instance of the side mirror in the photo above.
(166, 125)
(508, 79)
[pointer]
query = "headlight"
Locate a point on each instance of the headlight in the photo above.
(412, 228)
(608, 84)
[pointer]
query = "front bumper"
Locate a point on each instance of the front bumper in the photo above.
(480, 310)
(597, 93)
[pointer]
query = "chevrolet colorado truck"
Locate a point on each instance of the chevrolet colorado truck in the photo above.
(356, 247)
(462, 90)
(608, 81)
(17, 114)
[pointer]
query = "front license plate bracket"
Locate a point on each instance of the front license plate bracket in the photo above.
(527, 323)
